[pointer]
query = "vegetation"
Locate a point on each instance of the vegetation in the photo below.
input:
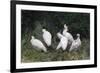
(32, 22)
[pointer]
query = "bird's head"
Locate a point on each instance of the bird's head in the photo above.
(32, 37)
(78, 35)
(65, 27)
(43, 30)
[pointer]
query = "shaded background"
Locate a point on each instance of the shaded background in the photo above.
(54, 21)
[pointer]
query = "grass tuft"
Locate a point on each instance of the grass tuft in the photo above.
(29, 54)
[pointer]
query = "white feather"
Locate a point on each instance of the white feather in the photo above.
(67, 35)
(63, 42)
(47, 37)
(76, 43)
(37, 43)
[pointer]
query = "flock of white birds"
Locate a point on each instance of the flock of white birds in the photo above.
(65, 39)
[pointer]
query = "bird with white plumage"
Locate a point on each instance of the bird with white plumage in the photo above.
(67, 34)
(66, 27)
(38, 44)
(47, 37)
(76, 43)
(63, 42)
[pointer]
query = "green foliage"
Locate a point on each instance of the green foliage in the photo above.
(29, 54)
(54, 21)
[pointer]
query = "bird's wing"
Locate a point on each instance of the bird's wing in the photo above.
(37, 43)
(78, 42)
(59, 45)
(64, 43)
(47, 38)
(70, 36)
(40, 44)
(72, 46)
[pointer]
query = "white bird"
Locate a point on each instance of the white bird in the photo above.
(63, 42)
(66, 27)
(38, 44)
(67, 34)
(47, 37)
(76, 43)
